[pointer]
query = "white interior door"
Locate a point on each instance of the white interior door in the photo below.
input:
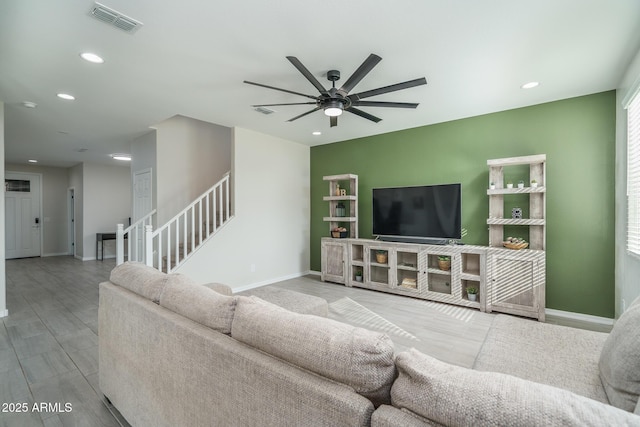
(142, 194)
(22, 215)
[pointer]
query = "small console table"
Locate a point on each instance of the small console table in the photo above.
(100, 238)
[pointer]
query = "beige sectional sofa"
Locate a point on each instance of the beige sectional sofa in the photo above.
(174, 353)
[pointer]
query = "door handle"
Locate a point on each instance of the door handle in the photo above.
(37, 220)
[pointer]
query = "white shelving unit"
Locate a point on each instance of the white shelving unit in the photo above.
(349, 183)
(516, 278)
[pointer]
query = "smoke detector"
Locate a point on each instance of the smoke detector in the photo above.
(114, 18)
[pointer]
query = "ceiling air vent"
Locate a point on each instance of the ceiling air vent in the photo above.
(264, 110)
(114, 18)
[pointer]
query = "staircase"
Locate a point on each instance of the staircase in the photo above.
(170, 245)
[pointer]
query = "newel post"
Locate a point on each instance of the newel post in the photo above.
(119, 244)
(148, 246)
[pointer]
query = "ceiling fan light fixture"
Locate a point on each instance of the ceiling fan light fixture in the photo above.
(333, 108)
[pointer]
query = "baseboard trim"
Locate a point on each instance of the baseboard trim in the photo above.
(315, 273)
(56, 254)
(4, 313)
(580, 316)
(268, 282)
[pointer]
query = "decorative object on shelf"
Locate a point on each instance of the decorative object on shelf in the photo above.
(472, 293)
(343, 192)
(359, 276)
(509, 184)
(444, 262)
(381, 257)
(337, 189)
(339, 233)
(516, 213)
(520, 184)
(534, 183)
(515, 243)
(492, 186)
(341, 210)
(409, 282)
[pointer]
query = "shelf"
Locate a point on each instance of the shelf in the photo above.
(340, 218)
(523, 160)
(438, 271)
(375, 264)
(511, 221)
(470, 276)
(407, 268)
(525, 190)
(342, 177)
(339, 198)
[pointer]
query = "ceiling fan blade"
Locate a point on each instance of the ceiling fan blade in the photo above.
(363, 114)
(333, 121)
(385, 104)
(291, 103)
(296, 63)
(304, 114)
(359, 74)
(398, 86)
(281, 90)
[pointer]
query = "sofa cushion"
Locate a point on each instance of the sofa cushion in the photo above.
(549, 354)
(219, 288)
(291, 300)
(353, 356)
(198, 303)
(139, 278)
(620, 361)
(452, 395)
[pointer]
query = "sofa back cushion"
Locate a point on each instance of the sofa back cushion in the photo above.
(620, 361)
(139, 278)
(452, 395)
(357, 357)
(199, 303)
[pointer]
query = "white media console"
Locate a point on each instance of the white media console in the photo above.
(509, 281)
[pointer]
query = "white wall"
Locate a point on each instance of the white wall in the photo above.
(55, 182)
(627, 266)
(106, 202)
(268, 240)
(191, 156)
(3, 278)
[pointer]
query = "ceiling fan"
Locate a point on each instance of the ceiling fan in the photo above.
(334, 101)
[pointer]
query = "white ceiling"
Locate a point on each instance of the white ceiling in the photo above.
(191, 57)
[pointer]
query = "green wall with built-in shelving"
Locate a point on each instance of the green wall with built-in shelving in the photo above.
(578, 137)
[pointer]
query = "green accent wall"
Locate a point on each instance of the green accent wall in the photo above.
(578, 137)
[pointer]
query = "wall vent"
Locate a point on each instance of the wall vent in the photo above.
(264, 110)
(114, 18)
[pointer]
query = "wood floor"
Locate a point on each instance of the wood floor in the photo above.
(49, 341)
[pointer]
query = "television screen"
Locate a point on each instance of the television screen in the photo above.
(425, 212)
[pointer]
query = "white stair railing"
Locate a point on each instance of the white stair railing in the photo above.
(135, 237)
(170, 245)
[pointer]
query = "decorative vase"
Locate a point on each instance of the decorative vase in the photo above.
(534, 185)
(444, 264)
(509, 185)
(381, 258)
(472, 297)
(358, 278)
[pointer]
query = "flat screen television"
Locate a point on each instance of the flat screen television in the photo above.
(421, 214)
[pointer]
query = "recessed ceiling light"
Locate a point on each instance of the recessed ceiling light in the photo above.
(123, 157)
(92, 57)
(32, 161)
(530, 85)
(316, 133)
(66, 96)
(29, 104)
